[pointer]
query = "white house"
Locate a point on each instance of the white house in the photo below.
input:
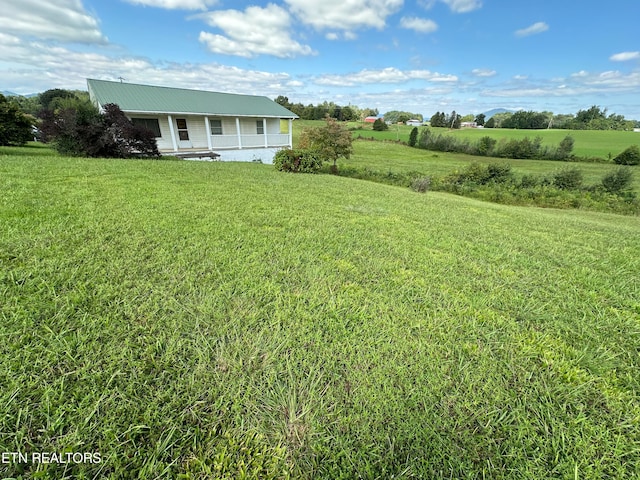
(414, 123)
(197, 123)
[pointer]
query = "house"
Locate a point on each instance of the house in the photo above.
(197, 123)
(371, 119)
(414, 123)
(469, 125)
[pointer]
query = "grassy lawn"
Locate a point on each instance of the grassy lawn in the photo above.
(222, 320)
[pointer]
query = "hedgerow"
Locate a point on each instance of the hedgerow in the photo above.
(525, 148)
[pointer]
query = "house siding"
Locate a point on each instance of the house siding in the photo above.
(226, 145)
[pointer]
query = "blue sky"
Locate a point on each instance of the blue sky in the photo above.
(421, 56)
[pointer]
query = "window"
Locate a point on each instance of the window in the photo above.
(183, 133)
(216, 127)
(260, 127)
(148, 123)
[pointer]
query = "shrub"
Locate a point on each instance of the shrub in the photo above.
(413, 137)
(618, 180)
(524, 148)
(565, 148)
(486, 145)
(421, 185)
(297, 161)
(78, 129)
(479, 174)
(529, 181)
(379, 125)
(499, 172)
(631, 156)
(568, 179)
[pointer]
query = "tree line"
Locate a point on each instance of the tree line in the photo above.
(593, 118)
(322, 110)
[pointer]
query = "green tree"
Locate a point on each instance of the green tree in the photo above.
(565, 148)
(47, 98)
(380, 125)
(395, 116)
(498, 118)
(16, 128)
(413, 137)
(526, 120)
(331, 142)
(453, 120)
(480, 118)
(438, 119)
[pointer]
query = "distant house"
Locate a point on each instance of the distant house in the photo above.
(414, 123)
(196, 123)
(469, 124)
(371, 119)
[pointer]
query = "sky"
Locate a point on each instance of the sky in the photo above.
(420, 56)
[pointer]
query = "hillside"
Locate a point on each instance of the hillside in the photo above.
(210, 319)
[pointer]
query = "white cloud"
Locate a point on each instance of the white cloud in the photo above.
(579, 83)
(61, 20)
(534, 29)
(463, 6)
(344, 35)
(29, 67)
(344, 14)
(256, 31)
(483, 72)
(386, 75)
(176, 4)
(421, 25)
(625, 56)
(457, 6)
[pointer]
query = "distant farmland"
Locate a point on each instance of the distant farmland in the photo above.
(588, 143)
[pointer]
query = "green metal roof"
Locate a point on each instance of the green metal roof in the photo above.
(135, 98)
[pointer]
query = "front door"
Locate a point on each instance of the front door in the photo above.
(183, 133)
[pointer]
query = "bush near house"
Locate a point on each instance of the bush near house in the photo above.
(297, 161)
(77, 128)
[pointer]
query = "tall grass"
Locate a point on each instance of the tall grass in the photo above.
(219, 320)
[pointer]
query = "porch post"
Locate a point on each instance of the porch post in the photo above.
(239, 134)
(173, 134)
(207, 129)
(290, 133)
(266, 134)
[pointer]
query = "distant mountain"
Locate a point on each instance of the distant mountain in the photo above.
(491, 113)
(7, 93)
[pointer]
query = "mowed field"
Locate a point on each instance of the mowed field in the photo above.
(588, 143)
(221, 320)
(397, 158)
